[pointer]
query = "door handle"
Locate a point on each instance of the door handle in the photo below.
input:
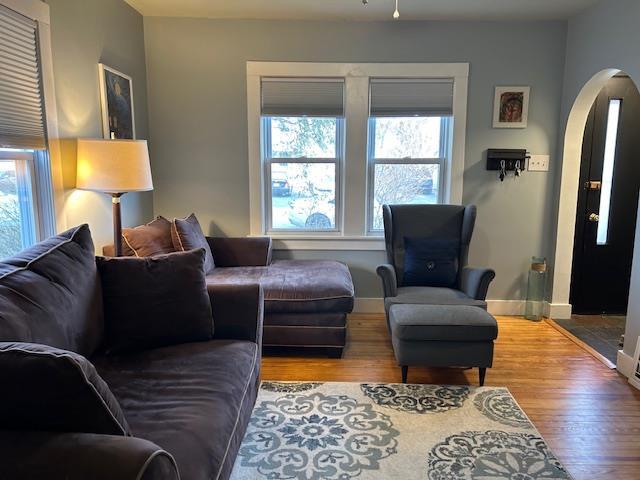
(594, 217)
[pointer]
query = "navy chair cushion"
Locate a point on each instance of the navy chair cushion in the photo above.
(429, 261)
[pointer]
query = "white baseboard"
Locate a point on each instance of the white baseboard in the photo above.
(505, 307)
(495, 307)
(558, 311)
(624, 364)
(368, 305)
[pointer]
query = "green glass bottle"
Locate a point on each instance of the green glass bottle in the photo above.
(534, 308)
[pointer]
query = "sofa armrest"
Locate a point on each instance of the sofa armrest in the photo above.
(237, 311)
(389, 281)
(475, 281)
(241, 251)
(82, 456)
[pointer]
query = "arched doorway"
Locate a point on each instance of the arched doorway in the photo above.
(571, 157)
(570, 186)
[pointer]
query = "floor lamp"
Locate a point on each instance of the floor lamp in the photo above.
(114, 167)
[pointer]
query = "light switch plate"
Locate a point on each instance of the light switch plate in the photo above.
(539, 163)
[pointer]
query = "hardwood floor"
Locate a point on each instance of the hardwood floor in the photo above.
(588, 414)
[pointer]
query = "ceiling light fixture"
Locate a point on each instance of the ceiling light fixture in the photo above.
(396, 12)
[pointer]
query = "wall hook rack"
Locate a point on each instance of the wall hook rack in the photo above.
(507, 160)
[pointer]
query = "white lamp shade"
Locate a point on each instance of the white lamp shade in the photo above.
(113, 166)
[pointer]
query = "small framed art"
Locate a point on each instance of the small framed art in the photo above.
(511, 107)
(116, 95)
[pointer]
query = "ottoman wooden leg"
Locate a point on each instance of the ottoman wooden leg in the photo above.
(483, 372)
(405, 370)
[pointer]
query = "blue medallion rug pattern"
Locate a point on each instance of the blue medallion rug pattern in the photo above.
(343, 431)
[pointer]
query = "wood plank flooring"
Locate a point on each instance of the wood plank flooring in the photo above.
(588, 414)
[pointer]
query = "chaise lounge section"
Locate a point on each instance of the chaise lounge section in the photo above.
(306, 302)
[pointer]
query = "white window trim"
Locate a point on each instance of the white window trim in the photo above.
(353, 231)
(40, 13)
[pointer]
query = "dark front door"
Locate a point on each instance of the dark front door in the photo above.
(607, 201)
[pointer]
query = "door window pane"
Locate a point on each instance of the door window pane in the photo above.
(611, 141)
(17, 225)
(403, 183)
(311, 137)
(402, 137)
(303, 196)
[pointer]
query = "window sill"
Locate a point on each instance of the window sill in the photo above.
(298, 242)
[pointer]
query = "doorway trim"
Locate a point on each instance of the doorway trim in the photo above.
(571, 157)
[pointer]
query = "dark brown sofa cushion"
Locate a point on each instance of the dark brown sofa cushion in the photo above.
(193, 400)
(187, 235)
(148, 240)
(48, 389)
(155, 301)
(50, 294)
(295, 286)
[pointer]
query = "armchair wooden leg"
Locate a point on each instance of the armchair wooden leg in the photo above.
(483, 373)
(405, 370)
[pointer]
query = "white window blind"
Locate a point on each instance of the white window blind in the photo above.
(21, 106)
(302, 97)
(411, 97)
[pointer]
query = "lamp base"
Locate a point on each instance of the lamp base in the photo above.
(117, 223)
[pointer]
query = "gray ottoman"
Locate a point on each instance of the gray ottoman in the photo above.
(442, 336)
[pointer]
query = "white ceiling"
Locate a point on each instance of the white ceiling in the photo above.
(355, 10)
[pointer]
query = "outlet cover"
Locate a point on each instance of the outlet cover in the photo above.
(539, 163)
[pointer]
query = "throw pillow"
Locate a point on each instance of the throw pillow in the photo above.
(48, 389)
(148, 240)
(430, 262)
(155, 301)
(187, 235)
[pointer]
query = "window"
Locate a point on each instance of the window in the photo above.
(26, 201)
(302, 133)
(409, 128)
(611, 141)
(330, 143)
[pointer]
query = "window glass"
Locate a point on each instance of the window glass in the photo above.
(303, 196)
(402, 137)
(404, 184)
(17, 225)
(295, 137)
(611, 141)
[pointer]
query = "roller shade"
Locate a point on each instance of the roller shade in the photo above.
(302, 97)
(21, 106)
(411, 97)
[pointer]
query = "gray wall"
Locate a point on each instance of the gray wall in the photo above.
(198, 126)
(84, 33)
(606, 36)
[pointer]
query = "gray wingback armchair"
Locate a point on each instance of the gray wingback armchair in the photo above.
(431, 222)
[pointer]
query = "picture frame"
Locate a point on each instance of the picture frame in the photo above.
(634, 378)
(116, 98)
(511, 107)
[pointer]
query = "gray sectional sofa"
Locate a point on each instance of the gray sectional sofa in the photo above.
(71, 410)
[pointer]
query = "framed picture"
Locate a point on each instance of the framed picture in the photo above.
(511, 107)
(116, 96)
(634, 379)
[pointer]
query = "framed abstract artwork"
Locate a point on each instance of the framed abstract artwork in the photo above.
(116, 96)
(511, 107)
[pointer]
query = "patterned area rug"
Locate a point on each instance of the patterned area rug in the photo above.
(341, 431)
